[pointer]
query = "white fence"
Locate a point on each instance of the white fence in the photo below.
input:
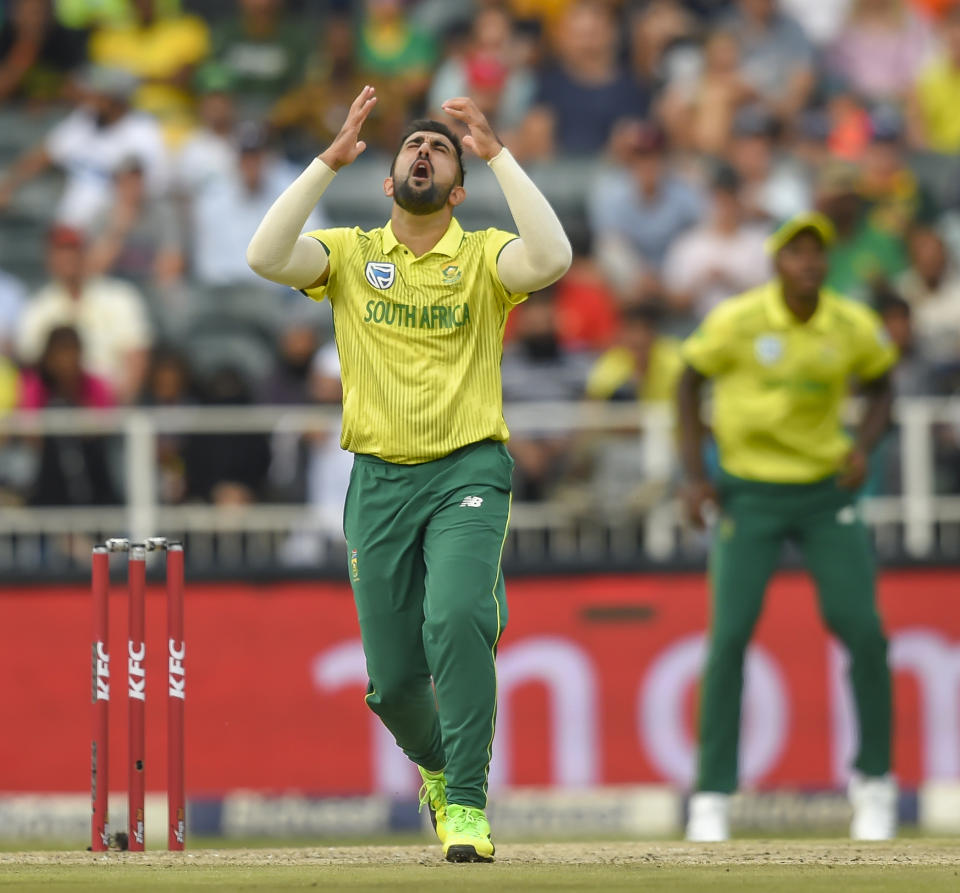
(633, 515)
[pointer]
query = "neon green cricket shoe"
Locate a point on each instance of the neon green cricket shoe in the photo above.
(433, 795)
(467, 835)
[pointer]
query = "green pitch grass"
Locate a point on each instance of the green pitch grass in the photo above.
(930, 866)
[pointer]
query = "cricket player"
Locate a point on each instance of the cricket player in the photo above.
(781, 358)
(419, 310)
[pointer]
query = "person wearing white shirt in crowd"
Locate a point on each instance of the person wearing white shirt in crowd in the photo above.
(719, 258)
(108, 314)
(772, 188)
(209, 153)
(226, 212)
(90, 145)
(821, 20)
(931, 286)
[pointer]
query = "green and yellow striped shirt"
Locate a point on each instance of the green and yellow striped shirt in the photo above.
(420, 340)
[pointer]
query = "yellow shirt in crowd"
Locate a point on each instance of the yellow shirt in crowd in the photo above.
(420, 340)
(938, 96)
(780, 384)
(156, 53)
(617, 368)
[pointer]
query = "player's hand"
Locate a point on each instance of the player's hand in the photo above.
(481, 140)
(853, 472)
(347, 144)
(700, 502)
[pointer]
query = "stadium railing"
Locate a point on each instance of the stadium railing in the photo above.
(621, 512)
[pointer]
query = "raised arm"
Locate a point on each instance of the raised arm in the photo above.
(278, 251)
(542, 254)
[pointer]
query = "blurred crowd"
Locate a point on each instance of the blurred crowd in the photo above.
(684, 130)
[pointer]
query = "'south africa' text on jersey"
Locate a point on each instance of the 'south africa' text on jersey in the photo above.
(434, 316)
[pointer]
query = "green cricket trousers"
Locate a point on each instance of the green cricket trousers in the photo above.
(424, 544)
(821, 519)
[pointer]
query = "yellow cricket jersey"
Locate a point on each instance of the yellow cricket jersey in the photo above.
(420, 340)
(780, 384)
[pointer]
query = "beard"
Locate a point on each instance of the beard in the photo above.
(420, 201)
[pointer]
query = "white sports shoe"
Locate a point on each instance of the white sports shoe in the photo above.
(709, 818)
(874, 801)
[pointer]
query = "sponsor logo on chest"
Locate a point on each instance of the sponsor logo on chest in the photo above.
(410, 316)
(380, 274)
(768, 349)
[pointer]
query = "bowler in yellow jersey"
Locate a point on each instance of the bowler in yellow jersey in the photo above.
(781, 358)
(419, 309)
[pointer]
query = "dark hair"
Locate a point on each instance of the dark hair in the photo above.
(431, 126)
(648, 313)
(886, 301)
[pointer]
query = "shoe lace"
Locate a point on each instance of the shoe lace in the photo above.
(467, 820)
(432, 794)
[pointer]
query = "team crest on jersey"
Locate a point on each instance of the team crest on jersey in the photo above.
(380, 275)
(768, 349)
(451, 274)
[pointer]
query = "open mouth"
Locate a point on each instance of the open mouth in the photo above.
(421, 170)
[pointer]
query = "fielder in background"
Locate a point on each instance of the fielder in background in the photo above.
(419, 309)
(781, 358)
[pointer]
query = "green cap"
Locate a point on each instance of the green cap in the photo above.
(811, 221)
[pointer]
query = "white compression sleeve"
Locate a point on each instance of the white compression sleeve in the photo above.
(542, 254)
(278, 251)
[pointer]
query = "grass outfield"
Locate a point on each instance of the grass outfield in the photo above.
(927, 865)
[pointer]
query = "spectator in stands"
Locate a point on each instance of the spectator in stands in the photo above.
(888, 184)
(109, 315)
(915, 374)
(931, 287)
(169, 382)
(490, 71)
(209, 153)
(849, 128)
(72, 469)
(90, 145)
(310, 114)
(699, 112)
(774, 187)
(536, 368)
(37, 54)
(862, 257)
(291, 380)
(225, 213)
(882, 48)
(138, 237)
(585, 305)
(391, 48)
(264, 50)
(642, 365)
(934, 122)
(723, 256)
(327, 471)
(227, 469)
(582, 96)
(636, 217)
(13, 298)
(821, 20)
(776, 56)
(660, 38)
(291, 383)
(162, 51)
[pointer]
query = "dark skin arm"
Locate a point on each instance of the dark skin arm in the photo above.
(698, 493)
(874, 424)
